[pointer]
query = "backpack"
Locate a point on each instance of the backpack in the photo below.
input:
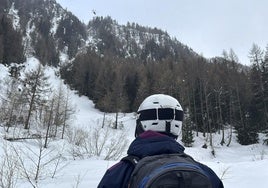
(167, 171)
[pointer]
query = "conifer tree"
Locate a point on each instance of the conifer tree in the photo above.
(265, 87)
(187, 131)
(11, 49)
(259, 106)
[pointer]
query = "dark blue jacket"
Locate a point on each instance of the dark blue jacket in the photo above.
(147, 144)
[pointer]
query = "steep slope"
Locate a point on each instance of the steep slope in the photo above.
(46, 28)
(134, 41)
(47, 31)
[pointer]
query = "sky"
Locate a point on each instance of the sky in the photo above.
(206, 26)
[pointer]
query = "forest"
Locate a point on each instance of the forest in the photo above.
(123, 64)
(216, 94)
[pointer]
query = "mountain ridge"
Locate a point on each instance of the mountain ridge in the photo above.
(47, 30)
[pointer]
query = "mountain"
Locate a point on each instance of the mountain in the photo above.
(116, 66)
(47, 30)
(43, 29)
(134, 41)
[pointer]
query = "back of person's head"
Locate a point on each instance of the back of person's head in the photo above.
(160, 113)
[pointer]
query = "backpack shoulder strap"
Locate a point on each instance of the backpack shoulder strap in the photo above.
(132, 159)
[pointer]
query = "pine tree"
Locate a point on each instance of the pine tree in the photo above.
(187, 131)
(258, 81)
(11, 48)
(247, 135)
(265, 87)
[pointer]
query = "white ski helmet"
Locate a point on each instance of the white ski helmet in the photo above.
(160, 113)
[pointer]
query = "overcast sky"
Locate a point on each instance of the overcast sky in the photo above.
(207, 26)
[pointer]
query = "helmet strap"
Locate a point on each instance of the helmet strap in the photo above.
(139, 128)
(168, 125)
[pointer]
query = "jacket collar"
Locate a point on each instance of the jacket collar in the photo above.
(153, 143)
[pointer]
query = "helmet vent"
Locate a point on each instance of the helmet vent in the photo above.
(156, 102)
(155, 123)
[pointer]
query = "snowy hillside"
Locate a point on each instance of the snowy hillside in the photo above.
(238, 166)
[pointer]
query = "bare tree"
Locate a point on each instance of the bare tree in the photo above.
(11, 102)
(37, 162)
(49, 122)
(67, 111)
(8, 168)
(36, 86)
(219, 92)
(97, 141)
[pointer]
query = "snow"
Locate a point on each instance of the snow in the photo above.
(3, 71)
(238, 166)
(16, 19)
(3, 75)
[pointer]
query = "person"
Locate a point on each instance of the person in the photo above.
(159, 119)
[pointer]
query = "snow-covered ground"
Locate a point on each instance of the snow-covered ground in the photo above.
(238, 166)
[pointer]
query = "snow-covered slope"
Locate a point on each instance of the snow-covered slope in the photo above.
(238, 166)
